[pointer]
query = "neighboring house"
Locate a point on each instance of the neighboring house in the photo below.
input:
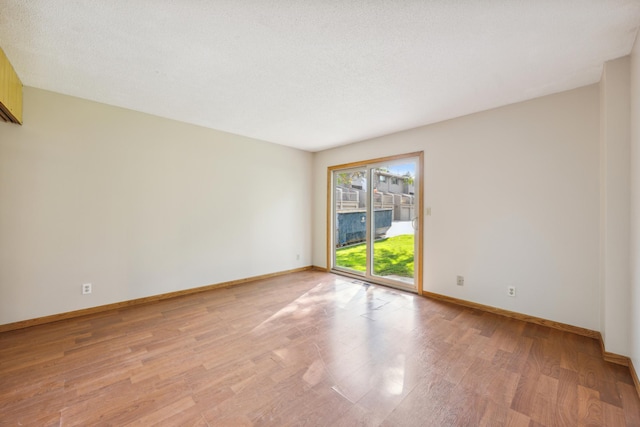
(391, 191)
(387, 182)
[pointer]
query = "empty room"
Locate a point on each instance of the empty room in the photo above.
(413, 213)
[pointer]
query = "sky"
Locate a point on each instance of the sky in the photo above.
(403, 168)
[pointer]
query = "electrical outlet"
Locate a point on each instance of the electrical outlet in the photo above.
(460, 281)
(298, 257)
(511, 291)
(86, 288)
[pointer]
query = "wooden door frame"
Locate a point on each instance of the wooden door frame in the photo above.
(420, 175)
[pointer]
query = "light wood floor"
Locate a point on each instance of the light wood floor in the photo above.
(313, 349)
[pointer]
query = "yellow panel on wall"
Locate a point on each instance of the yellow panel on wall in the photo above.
(10, 92)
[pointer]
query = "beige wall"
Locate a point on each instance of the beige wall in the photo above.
(514, 194)
(138, 205)
(635, 207)
(614, 205)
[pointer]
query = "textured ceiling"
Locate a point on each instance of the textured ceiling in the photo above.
(313, 74)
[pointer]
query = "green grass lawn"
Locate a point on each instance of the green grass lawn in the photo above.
(393, 256)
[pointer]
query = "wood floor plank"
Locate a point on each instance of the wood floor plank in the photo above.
(424, 402)
(589, 407)
(593, 374)
(544, 401)
(567, 398)
(309, 348)
(630, 403)
(523, 399)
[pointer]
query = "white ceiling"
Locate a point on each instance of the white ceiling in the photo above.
(313, 74)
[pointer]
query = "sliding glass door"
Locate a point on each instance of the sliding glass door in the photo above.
(375, 217)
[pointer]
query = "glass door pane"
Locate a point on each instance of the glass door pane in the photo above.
(375, 217)
(350, 220)
(394, 202)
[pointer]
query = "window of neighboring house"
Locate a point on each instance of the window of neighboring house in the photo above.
(383, 178)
